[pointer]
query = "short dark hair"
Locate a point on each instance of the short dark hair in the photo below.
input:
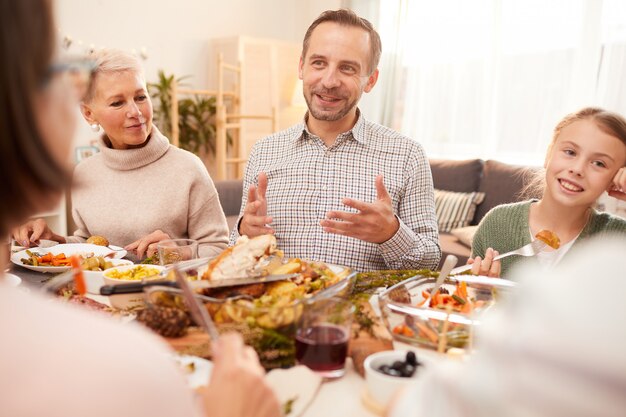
(347, 17)
(28, 172)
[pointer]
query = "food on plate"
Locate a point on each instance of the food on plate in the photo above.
(98, 240)
(434, 330)
(265, 314)
(402, 369)
(96, 263)
(242, 259)
(47, 259)
(459, 301)
(137, 273)
(312, 278)
(444, 320)
(69, 294)
(166, 321)
(550, 238)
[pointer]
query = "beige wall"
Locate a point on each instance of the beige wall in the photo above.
(176, 34)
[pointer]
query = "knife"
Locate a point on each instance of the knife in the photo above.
(232, 282)
(196, 308)
(135, 287)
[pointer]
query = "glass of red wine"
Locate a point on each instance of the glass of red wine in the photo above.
(322, 336)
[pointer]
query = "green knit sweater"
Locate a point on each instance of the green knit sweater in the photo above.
(505, 228)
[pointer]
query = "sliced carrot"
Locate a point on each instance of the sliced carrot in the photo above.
(429, 334)
(79, 279)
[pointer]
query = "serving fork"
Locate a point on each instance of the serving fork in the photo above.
(531, 249)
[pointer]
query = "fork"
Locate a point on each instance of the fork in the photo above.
(531, 249)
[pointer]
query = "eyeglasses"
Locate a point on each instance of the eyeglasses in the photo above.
(78, 70)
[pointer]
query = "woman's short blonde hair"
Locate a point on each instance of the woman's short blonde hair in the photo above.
(108, 61)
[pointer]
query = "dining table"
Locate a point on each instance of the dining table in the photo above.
(344, 396)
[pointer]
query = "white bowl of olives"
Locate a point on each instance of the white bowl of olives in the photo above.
(388, 372)
(93, 268)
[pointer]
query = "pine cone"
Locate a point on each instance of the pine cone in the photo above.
(166, 321)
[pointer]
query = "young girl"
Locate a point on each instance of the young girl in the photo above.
(587, 156)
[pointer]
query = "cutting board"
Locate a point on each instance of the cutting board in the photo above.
(369, 335)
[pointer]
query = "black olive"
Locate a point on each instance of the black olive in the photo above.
(393, 372)
(383, 368)
(398, 365)
(408, 371)
(411, 359)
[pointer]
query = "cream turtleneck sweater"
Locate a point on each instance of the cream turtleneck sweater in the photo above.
(126, 194)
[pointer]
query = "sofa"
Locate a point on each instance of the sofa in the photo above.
(489, 183)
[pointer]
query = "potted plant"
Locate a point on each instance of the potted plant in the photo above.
(196, 115)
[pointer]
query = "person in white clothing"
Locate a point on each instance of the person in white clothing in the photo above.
(57, 360)
(555, 349)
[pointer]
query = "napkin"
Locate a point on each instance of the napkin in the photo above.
(298, 385)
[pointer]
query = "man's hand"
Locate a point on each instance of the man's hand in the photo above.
(374, 222)
(255, 219)
(618, 188)
(147, 244)
(30, 233)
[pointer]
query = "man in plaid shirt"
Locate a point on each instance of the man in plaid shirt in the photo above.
(338, 188)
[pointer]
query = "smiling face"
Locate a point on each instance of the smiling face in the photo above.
(122, 106)
(581, 164)
(335, 71)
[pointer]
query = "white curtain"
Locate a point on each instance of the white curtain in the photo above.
(491, 78)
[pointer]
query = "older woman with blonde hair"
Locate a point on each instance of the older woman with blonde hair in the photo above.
(139, 189)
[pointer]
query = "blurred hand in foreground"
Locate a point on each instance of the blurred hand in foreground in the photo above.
(238, 386)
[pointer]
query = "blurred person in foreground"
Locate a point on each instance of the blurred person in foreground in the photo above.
(337, 187)
(554, 348)
(139, 189)
(57, 360)
(587, 157)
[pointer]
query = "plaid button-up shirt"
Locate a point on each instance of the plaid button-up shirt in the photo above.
(307, 179)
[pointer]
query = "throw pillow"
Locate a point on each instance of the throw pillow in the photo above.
(465, 234)
(455, 210)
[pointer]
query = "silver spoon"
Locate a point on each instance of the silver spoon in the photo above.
(447, 266)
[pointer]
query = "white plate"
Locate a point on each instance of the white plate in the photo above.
(94, 279)
(197, 370)
(298, 385)
(10, 279)
(68, 249)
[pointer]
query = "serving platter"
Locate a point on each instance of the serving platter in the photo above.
(68, 249)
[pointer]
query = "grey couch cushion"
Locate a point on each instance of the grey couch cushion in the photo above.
(229, 192)
(501, 183)
(459, 176)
